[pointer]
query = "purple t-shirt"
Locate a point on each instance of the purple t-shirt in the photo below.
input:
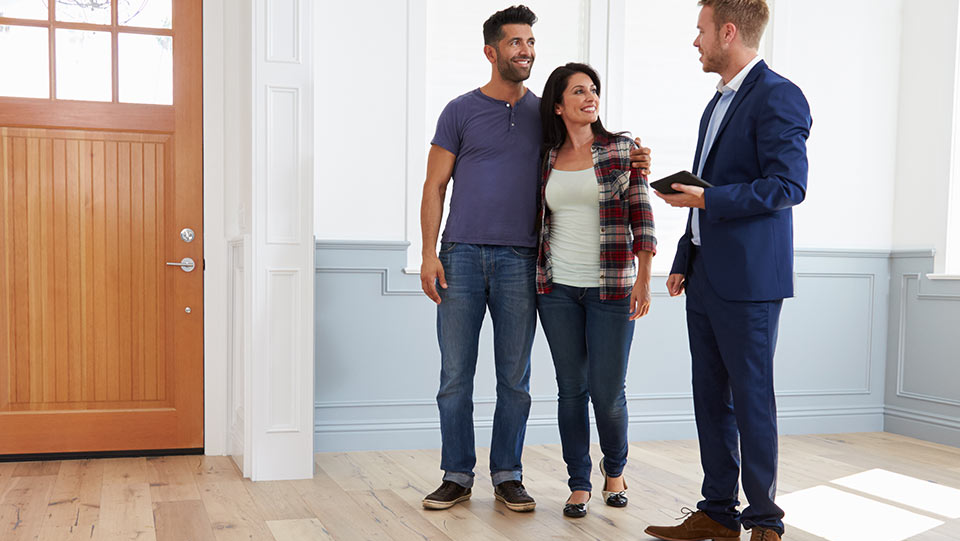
(495, 177)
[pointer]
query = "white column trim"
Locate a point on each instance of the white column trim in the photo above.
(279, 405)
(416, 155)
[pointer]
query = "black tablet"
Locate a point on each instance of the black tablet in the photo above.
(683, 177)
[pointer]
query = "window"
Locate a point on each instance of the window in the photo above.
(455, 62)
(92, 50)
(952, 251)
(665, 92)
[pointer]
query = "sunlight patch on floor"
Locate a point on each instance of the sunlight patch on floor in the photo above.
(841, 516)
(925, 495)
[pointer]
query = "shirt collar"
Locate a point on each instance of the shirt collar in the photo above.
(734, 84)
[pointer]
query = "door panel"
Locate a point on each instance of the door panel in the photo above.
(100, 340)
(97, 186)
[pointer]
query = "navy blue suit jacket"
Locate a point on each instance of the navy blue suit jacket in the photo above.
(758, 167)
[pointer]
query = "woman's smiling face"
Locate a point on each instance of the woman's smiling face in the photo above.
(581, 101)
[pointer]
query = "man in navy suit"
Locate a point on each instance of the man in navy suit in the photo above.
(735, 262)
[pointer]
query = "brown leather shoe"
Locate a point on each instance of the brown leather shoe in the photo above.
(697, 527)
(763, 534)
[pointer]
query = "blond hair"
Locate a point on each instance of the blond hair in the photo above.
(749, 16)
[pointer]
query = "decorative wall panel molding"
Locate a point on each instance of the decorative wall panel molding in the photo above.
(922, 397)
(283, 309)
(283, 31)
(373, 318)
(284, 173)
(928, 342)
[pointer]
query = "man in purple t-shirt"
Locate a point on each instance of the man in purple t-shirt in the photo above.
(488, 140)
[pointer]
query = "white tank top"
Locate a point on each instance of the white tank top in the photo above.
(574, 202)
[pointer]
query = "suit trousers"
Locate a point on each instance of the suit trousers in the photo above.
(732, 345)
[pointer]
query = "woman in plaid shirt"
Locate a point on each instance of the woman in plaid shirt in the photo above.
(595, 225)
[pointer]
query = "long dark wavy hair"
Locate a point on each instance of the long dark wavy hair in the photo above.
(554, 130)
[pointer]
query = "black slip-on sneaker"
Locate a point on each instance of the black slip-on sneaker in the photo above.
(514, 496)
(445, 497)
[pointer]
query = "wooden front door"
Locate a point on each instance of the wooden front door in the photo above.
(101, 340)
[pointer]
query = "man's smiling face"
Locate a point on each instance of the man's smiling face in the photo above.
(515, 54)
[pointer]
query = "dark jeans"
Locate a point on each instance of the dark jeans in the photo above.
(732, 345)
(501, 278)
(590, 342)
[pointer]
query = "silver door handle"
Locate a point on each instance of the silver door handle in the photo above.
(186, 264)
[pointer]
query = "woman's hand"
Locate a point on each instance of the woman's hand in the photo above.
(640, 299)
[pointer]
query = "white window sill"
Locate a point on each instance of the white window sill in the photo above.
(943, 276)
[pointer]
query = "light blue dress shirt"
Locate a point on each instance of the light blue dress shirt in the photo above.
(727, 92)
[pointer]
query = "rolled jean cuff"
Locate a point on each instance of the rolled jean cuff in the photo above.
(500, 476)
(463, 479)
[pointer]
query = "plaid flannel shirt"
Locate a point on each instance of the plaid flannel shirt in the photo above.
(626, 218)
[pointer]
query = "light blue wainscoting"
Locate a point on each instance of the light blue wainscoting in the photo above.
(378, 363)
(923, 351)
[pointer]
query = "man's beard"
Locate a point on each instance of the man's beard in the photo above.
(510, 71)
(714, 61)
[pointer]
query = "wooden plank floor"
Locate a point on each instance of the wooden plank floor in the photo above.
(376, 495)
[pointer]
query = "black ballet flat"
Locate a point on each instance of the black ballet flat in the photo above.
(575, 510)
(613, 499)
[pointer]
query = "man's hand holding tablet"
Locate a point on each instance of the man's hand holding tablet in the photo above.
(681, 189)
(683, 177)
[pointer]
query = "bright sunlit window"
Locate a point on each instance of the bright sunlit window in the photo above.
(78, 58)
(952, 259)
(664, 95)
(455, 61)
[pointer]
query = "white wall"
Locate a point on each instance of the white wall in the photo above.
(361, 117)
(926, 113)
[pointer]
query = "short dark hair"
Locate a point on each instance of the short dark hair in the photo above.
(493, 28)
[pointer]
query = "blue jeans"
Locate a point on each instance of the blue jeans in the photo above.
(590, 341)
(503, 279)
(732, 345)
